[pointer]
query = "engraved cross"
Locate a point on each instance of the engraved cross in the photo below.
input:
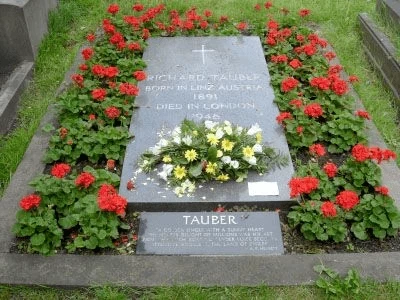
(203, 51)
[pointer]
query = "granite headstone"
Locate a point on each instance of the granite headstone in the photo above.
(204, 78)
(189, 233)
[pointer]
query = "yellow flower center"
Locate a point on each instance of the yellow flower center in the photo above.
(167, 159)
(190, 155)
(227, 145)
(248, 152)
(223, 177)
(212, 139)
(258, 137)
(179, 172)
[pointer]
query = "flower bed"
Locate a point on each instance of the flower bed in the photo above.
(76, 206)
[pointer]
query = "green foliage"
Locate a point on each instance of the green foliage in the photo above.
(314, 226)
(376, 215)
(336, 286)
(42, 228)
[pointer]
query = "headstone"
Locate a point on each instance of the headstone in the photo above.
(237, 233)
(204, 78)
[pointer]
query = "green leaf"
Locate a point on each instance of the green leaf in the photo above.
(196, 170)
(67, 222)
(212, 154)
(38, 239)
(47, 128)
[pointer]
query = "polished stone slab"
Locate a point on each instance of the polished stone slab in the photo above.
(222, 233)
(203, 78)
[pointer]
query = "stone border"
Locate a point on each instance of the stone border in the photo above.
(10, 94)
(67, 270)
(389, 9)
(381, 53)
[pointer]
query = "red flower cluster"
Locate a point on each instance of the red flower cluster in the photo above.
(128, 89)
(113, 9)
(279, 58)
(328, 209)
(303, 185)
(363, 114)
(353, 78)
(139, 75)
(60, 170)
(241, 26)
(382, 190)
(257, 7)
(138, 7)
(134, 46)
(90, 37)
(347, 199)
(317, 150)
(289, 84)
(85, 179)
(268, 4)
(108, 72)
(339, 87)
(296, 102)
(87, 53)
(99, 94)
(30, 201)
(295, 63)
(78, 79)
(112, 112)
(362, 153)
(108, 27)
(322, 83)
(63, 132)
(330, 55)
(109, 200)
(313, 110)
(283, 116)
(304, 12)
(330, 169)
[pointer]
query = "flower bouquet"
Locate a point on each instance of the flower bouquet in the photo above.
(201, 152)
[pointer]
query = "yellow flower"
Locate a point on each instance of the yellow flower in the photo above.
(227, 145)
(167, 159)
(258, 137)
(195, 133)
(212, 139)
(223, 177)
(190, 155)
(211, 168)
(248, 152)
(179, 172)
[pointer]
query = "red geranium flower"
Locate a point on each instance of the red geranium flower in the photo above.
(83, 67)
(317, 149)
(309, 49)
(268, 4)
(111, 72)
(322, 83)
(145, 33)
(347, 199)
(113, 9)
(135, 46)
(303, 185)
(207, 13)
(223, 19)
(330, 55)
(87, 53)
(382, 190)
(241, 26)
(300, 129)
(304, 12)
(339, 87)
(295, 63)
(279, 58)
(30, 201)
(110, 164)
(360, 152)
(138, 7)
(112, 112)
(78, 79)
(363, 114)
(283, 116)
(289, 84)
(98, 70)
(99, 94)
(60, 170)
(328, 209)
(92, 117)
(313, 110)
(90, 37)
(109, 200)
(140, 75)
(353, 78)
(296, 102)
(128, 89)
(85, 179)
(257, 7)
(330, 169)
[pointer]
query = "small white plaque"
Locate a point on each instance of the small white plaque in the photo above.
(263, 188)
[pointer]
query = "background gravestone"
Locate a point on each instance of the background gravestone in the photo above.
(22, 26)
(200, 78)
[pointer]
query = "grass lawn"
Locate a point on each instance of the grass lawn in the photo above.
(337, 20)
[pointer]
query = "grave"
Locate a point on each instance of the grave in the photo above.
(23, 24)
(235, 233)
(204, 78)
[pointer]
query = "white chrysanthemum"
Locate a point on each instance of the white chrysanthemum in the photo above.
(163, 143)
(254, 129)
(156, 150)
(257, 148)
(166, 171)
(176, 132)
(234, 164)
(219, 134)
(239, 129)
(179, 191)
(226, 159)
(187, 140)
(228, 129)
(177, 140)
(188, 185)
(251, 160)
(210, 124)
(219, 153)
